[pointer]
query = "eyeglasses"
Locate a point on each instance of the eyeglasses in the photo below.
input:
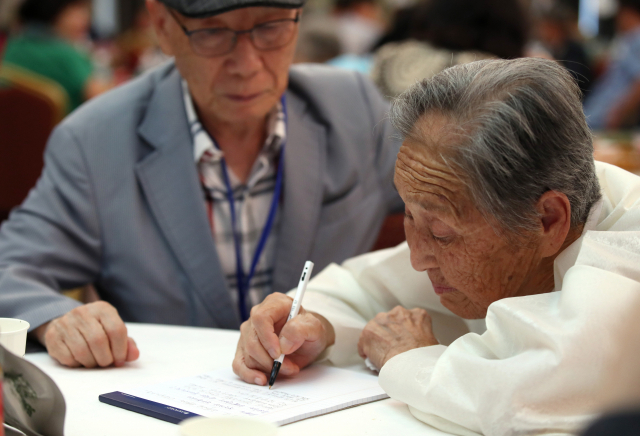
(219, 41)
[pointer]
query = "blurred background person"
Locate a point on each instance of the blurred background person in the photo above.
(8, 11)
(615, 98)
(48, 44)
(441, 33)
(557, 31)
(136, 49)
(360, 24)
(318, 39)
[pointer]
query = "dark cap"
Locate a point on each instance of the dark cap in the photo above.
(207, 8)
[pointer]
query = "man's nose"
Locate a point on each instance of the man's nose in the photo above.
(245, 59)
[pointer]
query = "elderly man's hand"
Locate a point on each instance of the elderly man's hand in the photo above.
(394, 332)
(90, 335)
(302, 339)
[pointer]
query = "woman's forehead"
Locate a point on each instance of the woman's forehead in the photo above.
(426, 187)
(424, 175)
(427, 160)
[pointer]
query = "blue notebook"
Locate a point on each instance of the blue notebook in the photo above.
(146, 407)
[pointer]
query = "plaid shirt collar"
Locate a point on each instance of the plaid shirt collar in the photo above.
(203, 142)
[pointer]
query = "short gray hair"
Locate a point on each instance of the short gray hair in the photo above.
(525, 134)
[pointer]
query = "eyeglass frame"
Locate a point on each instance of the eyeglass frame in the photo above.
(188, 33)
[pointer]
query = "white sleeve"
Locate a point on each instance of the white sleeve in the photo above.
(547, 363)
(353, 293)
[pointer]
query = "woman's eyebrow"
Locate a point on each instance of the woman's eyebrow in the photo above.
(433, 207)
(444, 206)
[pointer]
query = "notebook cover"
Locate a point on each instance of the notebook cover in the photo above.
(146, 407)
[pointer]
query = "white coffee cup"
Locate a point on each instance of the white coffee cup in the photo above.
(227, 426)
(13, 335)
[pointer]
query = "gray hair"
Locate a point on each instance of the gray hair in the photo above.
(524, 133)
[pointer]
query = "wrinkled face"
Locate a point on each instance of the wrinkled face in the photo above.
(469, 265)
(239, 86)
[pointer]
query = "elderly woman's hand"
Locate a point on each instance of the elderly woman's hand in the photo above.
(395, 332)
(265, 335)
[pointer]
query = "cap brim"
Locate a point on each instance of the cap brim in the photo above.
(266, 4)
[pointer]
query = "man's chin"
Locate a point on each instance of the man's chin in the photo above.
(244, 111)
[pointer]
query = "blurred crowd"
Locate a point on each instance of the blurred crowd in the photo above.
(54, 39)
(395, 42)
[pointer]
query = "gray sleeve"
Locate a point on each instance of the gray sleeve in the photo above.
(387, 141)
(52, 241)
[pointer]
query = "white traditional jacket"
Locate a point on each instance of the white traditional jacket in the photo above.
(544, 364)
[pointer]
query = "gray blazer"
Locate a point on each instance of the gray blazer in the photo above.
(119, 203)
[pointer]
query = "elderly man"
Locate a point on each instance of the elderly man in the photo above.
(190, 194)
(508, 222)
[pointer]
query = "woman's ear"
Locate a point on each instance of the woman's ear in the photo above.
(555, 217)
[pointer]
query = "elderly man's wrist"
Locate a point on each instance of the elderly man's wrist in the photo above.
(39, 333)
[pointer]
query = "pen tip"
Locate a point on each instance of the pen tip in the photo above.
(270, 386)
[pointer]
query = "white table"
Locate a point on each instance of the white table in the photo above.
(168, 352)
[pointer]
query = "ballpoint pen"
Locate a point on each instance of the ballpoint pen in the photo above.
(295, 308)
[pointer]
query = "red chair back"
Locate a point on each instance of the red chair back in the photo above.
(29, 109)
(391, 233)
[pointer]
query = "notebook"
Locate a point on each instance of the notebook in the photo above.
(317, 390)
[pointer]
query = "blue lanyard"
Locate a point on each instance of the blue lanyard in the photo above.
(243, 281)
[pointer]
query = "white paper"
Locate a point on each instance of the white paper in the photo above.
(315, 391)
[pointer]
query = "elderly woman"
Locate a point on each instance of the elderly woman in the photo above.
(517, 317)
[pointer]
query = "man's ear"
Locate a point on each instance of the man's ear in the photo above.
(555, 218)
(160, 22)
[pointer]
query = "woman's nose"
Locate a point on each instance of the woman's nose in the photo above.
(422, 255)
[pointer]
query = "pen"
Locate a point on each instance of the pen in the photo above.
(295, 308)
